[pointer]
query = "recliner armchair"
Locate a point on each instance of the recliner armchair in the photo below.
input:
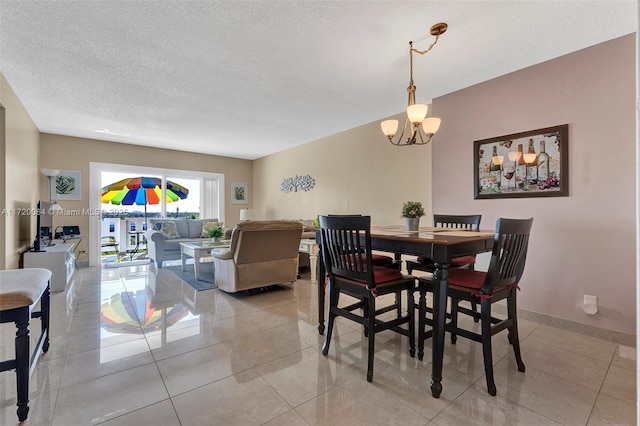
(262, 253)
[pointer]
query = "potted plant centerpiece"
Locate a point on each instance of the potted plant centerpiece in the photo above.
(216, 233)
(412, 211)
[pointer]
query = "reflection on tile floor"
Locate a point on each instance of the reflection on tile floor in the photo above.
(136, 346)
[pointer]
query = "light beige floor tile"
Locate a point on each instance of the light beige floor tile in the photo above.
(304, 375)
(97, 338)
(476, 406)
(569, 366)
(102, 362)
(620, 383)
(543, 393)
(612, 411)
(249, 323)
(358, 402)
(625, 357)
(181, 340)
(570, 341)
(290, 418)
(197, 368)
(408, 380)
(268, 344)
(103, 398)
(161, 413)
(243, 399)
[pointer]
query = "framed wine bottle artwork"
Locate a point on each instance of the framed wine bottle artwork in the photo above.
(527, 164)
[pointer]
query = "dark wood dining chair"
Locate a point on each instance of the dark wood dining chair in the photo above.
(347, 255)
(461, 222)
(500, 282)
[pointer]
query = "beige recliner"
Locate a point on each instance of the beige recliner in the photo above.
(262, 253)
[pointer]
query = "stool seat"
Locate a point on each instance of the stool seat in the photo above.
(22, 287)
(20, 290)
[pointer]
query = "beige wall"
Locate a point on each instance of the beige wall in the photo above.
(581, 244)
(356, 171)
(69, 153)
(19, 154)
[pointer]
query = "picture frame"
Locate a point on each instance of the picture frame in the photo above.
(239, 193)
(499, 171)
(67, 185)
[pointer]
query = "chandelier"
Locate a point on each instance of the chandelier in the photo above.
(420, 129)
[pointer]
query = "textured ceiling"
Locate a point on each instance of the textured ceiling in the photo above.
(249, 78)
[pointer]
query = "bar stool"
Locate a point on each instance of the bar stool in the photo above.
(20, 291)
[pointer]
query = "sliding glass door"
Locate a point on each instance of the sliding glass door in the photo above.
(127, 196)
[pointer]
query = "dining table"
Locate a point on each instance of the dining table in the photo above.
(437, 243)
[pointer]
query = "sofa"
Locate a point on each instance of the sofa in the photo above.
(262, 253)
(163, 241)
(161, 247)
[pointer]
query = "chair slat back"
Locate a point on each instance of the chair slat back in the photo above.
(346, 247)
(469, 222)
(509, 253)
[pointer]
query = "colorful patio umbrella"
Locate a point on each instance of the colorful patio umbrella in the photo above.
(141, 191)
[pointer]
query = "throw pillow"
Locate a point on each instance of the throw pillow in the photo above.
(206, 226)
(169, 230)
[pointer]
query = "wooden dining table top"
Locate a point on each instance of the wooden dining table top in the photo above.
(437, 235)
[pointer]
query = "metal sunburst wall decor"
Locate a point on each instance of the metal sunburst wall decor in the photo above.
(297, 183)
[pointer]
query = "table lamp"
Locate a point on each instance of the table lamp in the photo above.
(246, 214)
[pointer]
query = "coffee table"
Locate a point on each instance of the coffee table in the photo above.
(199, 251)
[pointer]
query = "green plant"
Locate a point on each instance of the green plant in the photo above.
(216, 232)
(412, 209)
(316, 222)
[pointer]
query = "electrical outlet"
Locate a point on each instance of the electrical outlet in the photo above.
(590, 300)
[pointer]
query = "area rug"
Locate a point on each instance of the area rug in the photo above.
(206, 281)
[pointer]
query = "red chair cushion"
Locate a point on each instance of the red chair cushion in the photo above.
(466, 278)
(383, 275)
(381, 259)
(461, 261)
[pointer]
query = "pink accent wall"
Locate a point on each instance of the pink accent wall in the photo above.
(580, 244)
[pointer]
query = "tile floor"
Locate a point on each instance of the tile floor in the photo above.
(210, 358)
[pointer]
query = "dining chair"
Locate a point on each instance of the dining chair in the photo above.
(461, 222)
(347, 255)
(500, 282)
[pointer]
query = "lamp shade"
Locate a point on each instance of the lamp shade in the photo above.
(50, 172)
(431, 125)
(389, 127)
(55, 207)
(417, 113)
(529, 158)
(246, 214)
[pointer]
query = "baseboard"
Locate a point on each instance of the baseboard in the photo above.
(577, 327)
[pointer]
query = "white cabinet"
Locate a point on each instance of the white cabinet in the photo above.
(58, 259)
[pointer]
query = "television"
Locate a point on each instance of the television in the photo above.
(44, 226)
